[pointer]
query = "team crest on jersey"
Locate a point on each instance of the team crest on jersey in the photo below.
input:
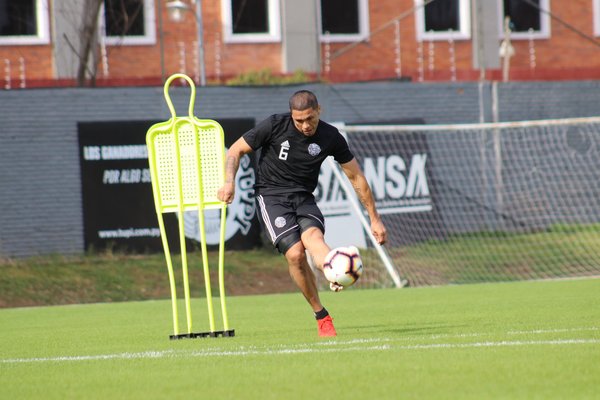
(314, 149)
(280, 222)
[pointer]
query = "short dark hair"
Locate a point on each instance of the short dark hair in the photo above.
(303, 100)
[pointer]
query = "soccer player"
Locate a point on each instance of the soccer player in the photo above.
(293, 147)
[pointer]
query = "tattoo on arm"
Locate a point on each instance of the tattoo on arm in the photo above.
(362, 195)
(231, 166)
(365, 196)
(361, 187)
(364, 199)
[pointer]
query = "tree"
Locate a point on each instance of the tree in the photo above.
(122, 18)
(89, 35)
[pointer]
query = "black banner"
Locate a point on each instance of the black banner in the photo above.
(399, 169)
(118, 205)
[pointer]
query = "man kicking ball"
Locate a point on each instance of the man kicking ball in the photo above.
(293, 147)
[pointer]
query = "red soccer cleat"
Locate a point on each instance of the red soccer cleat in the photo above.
(326, 328)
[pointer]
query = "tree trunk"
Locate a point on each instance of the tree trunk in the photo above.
(88, 40)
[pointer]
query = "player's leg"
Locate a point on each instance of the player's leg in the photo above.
(312, 228)
(293, 249)
(301, 272)
(314, 241)
(279, 221)
(312, 225)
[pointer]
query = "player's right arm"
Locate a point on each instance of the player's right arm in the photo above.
(365, 195)
(232, 163)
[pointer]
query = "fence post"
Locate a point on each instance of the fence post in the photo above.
(6, 74)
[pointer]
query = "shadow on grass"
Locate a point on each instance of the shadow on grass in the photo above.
(423, 330)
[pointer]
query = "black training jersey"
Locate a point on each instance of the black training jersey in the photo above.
(289, 160)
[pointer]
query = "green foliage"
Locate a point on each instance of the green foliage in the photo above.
(560, 251)
(111, 276)
(265, 77)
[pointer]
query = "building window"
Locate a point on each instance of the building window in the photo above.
(526, 21)
(251, 21)
(24, 22)
(128, 22)
(443, 20)
(344, 20)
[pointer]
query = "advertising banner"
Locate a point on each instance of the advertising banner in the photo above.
(399, 170)
(118, 205)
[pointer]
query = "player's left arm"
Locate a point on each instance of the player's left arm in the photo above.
(365, 195)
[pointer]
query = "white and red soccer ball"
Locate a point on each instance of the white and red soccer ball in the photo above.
(343, 266)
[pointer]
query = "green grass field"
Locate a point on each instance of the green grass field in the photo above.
(510, 340)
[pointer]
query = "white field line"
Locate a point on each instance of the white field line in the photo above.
(201, 353)
(502, 343)
(525, 332)
(454, 336)
(538, 331)
(323, 347)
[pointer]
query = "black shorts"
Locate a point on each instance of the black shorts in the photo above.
(284, 217)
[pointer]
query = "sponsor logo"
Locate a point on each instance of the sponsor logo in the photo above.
(397, 187)
(125, 152)
(314, 149)
(239, 213)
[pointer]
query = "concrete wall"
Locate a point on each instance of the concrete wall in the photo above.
(66, 36)
(300, 44)
(537, 100)
(40, 189)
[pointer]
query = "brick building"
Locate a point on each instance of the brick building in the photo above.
(338, 40)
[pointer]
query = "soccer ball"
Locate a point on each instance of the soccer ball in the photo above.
(343, 266)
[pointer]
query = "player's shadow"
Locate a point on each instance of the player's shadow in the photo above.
(423, 330)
